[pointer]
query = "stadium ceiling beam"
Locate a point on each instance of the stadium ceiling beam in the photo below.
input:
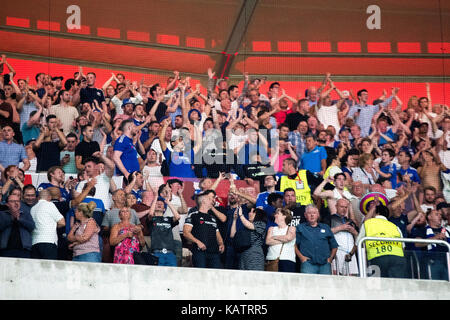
(223, 66)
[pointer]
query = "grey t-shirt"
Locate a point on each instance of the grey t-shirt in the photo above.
(112, 217)
(161, 233)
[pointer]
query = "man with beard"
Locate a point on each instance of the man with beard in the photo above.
(85, 148)
(125, 154)
(298, 211)
(65, 112)
(56, 177)
(429, 199)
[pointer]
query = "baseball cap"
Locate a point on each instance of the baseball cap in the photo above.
(442, 205)
(127, 101)
(58, 77)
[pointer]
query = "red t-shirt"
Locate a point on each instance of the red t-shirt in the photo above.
(280, 116)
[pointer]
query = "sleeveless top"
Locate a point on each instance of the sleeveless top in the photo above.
(288, 252)
(92, 245)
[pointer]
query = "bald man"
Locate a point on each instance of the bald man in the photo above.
(47, 219)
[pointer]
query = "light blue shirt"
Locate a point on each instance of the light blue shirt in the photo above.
(11, 154)
(366, 115)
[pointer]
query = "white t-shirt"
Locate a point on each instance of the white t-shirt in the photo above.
(288, 252)
(45, 216)
(328, 116)
(176, 202)
(101, 189)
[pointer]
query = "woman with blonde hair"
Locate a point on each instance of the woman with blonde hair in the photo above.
(84, 234)
(126, 237)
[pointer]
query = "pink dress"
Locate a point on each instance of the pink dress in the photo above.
(123, 252)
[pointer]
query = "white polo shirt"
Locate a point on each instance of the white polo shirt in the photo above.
(45, 216)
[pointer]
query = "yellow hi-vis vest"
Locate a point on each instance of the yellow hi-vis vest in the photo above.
(381, 228)
(300, 185)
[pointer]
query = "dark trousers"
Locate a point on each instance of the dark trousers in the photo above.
(390, 266)
(44, 251)
(231, 258)
(203, 259)
(15, 253)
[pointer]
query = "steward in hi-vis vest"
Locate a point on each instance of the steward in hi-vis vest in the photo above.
(380, 228)
(300, 185)
(302, 181)
(387, 255)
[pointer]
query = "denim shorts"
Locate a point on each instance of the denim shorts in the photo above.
(88, 257)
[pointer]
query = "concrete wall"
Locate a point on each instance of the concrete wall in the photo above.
(40, 279)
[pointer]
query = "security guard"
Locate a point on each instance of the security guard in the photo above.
(302, 181)
(387, 255)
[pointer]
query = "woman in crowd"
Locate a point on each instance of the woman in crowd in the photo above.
(253, 257)
(84, 234)
(281, 241)
(365, 171)
(126, 237)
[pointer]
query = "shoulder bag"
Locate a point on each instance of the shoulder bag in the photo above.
(272, 265)
(145, 258)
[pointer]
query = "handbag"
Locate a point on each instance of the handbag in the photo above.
(242, 240)
(272, 265)
(145, 258)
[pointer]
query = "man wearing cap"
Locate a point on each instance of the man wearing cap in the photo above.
(127, 108)
(57, 82)
(125, 92)
(65, 112)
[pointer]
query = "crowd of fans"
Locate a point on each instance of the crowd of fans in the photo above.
(131, 148)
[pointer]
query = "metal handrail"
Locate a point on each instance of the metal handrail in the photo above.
(362, 252)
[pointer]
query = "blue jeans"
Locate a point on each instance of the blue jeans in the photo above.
(88, 257)
(313, 268)
(203, 259)
(166, 259)
(438, 269)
